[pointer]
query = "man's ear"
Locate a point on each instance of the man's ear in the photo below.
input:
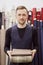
(15, 14)
(27, 17)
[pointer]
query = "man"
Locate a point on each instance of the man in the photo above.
(21, 36)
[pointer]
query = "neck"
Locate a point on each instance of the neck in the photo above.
(21, 26)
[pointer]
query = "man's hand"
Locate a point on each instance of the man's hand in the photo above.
(9, 53)
(33, 52)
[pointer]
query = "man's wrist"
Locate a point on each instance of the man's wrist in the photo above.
(34, 50)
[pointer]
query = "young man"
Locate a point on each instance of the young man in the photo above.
(21, 36)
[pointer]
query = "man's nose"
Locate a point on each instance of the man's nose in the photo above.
(21, 16)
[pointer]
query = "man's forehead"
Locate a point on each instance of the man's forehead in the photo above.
(21, 11)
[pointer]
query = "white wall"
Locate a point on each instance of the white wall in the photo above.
(8, 4)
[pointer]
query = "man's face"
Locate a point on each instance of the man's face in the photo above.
(21, 16)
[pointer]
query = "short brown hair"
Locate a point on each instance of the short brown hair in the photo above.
(21, 7)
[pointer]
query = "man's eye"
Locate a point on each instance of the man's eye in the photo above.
(19, 14)
(24, 15)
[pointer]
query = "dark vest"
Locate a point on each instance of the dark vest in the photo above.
(21, 43)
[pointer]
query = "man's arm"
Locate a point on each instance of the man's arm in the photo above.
(35, 41)
(7, 41)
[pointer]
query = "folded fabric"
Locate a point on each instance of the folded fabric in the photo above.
(21, 56)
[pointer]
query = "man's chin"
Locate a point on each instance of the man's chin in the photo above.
(21, 22)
